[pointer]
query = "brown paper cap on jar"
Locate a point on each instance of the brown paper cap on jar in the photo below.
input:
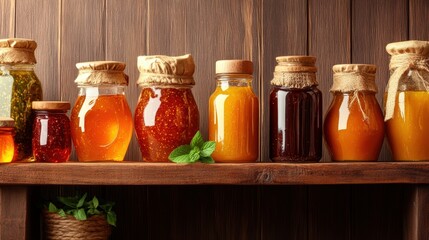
(7, 122)
(166, 70)
(234, 66)
(296, 64)
(101, 73)
(50, 105)
(17, 50)
(413, 46)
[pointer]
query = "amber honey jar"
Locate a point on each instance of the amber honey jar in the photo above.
(407, 101)
(295, 111)
(19, 86)
(166, 115)
(354, 127)
(101, 121)
(51, 131)
(7, 145)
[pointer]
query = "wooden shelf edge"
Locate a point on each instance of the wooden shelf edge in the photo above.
(139, 173)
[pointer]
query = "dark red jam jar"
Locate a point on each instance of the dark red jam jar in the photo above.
(51, 131)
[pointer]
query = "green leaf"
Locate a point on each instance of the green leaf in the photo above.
(52, 208)
(180, 151)
(61, 213)
(95, 202)
(111, 218)
(181, 159)
(197, 140)
(70, 202)
(194, 155)
(208, 148)
(80, 214)
(207, 160)
(81, 201)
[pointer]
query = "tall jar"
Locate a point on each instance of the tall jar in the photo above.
(354, 126)
(7, 145)
(234, 113)
(295, 111)
(51, 131)
(101, 121)
(407, 101)
(166, 115)
(19, 86)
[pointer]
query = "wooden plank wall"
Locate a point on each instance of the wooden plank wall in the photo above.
(336, 31)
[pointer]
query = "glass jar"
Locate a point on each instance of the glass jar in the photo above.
(51, 131)
(354, 126)
(166, 115)
(101, 121)
(234, 113)
(407, 100)
(295, 111)
(7, 145)
(19, 86)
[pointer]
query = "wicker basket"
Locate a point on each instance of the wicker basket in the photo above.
(68, 228)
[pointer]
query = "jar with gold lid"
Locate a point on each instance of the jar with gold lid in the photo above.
(7, 145)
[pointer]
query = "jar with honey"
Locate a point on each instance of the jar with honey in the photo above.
(7, 145)
(166, 115)
(295, 111)
(101, 121)
(407, 101)
(354, 127)
(234, 113)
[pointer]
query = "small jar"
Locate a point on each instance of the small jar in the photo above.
(7, 145)
(354, 127)
(407, 101)
(234, 113)
(19, 86)
(51, 131)
(166, 115)
(101, 121)
(295, 111)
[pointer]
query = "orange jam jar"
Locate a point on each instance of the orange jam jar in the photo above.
(166, 115)
(354, 127)
(101, 121)
(234, 113)
(7, 145)
(407, 101)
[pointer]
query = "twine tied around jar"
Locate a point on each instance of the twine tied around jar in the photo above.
(401, 65)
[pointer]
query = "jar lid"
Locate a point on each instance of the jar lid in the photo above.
(354, 77)
(7, 122)
(234, 66)
(101, 73)
(50, 105)
(346, 68)
(166, 70)
(17, 50)
(413, 46)
(296, 64)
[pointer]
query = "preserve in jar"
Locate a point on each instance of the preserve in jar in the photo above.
(51, 131)
(295, 111)
(234, 113)
(166, 115)
(407, 101)
(354, 126)
(19, 86)
(101, 121)
(7, 145)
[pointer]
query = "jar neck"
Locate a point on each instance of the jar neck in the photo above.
(234, 80)
(177, 86)
(50, 111)
(351, 93)
(7, 131)
(17, 67)
(101, 90)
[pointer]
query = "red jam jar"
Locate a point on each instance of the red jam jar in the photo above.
(51, 131)
(166, 115)
(7, 145)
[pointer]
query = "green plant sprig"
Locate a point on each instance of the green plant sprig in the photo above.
(81, 209)
(196, 151)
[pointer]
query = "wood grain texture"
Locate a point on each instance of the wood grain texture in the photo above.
(13, 212)
(416, 222)
(284, 25)
(40, 20)
(418, 16)
(125, 43)
(7, 18)
(374, 25)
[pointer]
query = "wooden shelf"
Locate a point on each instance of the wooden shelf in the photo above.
(139, 173)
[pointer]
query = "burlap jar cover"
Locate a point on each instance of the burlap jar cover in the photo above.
(17, 51)
(295, 72)
(354, 78)
(101, 73)
(409, 61)
(166, 70)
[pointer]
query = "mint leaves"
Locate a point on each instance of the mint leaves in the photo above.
(198, 150)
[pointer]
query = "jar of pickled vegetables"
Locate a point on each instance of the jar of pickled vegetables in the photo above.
(19, 86)
(7, 145)
(295, 111)
(101, 121)
(407, 100)
(51, 131)
(354, 126)
(166, 115)
(234, 113)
